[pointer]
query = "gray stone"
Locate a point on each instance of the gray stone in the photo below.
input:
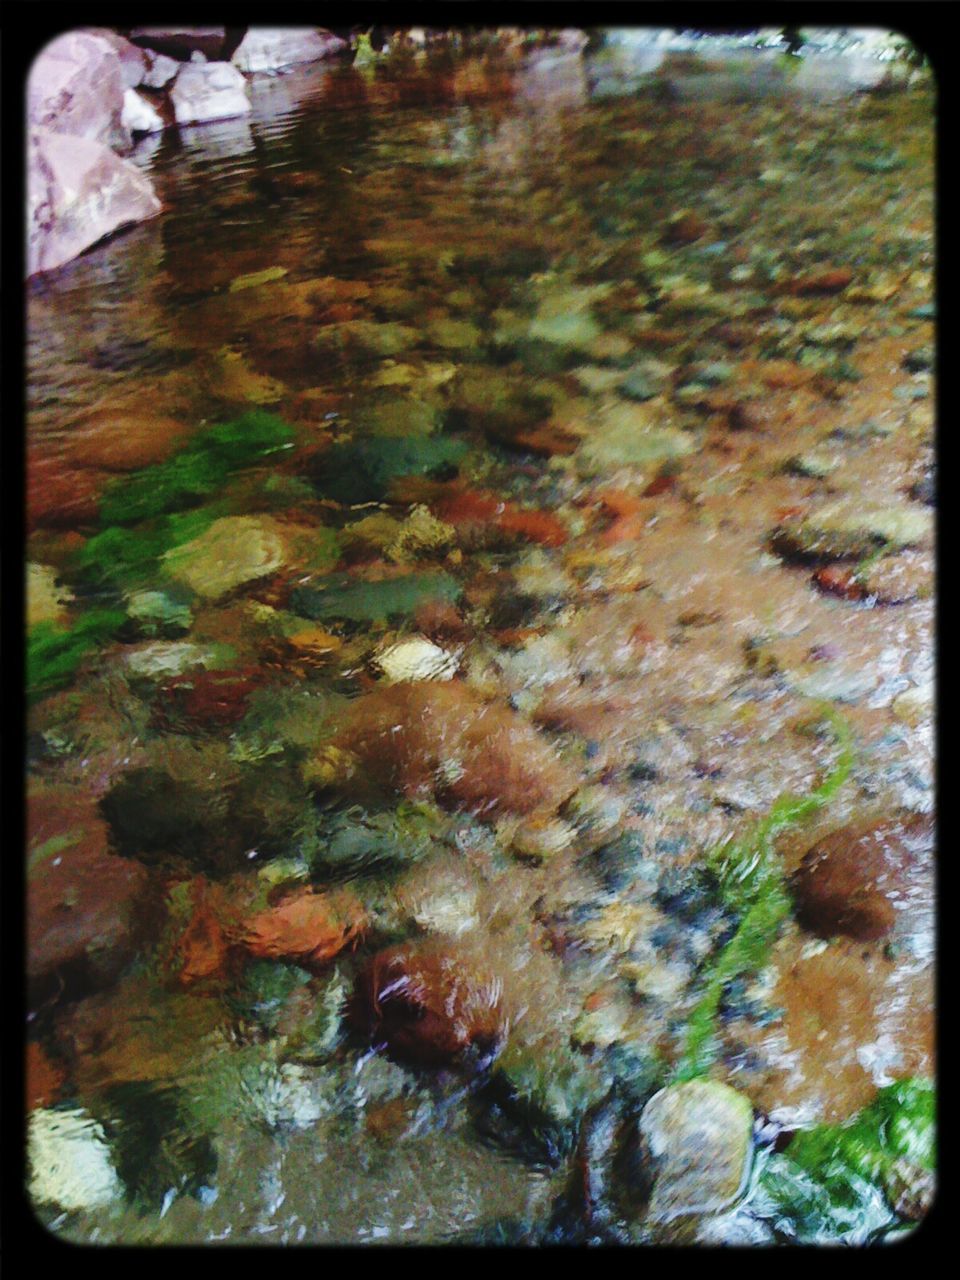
(78, 192)
(76, 87)
(209, 91)
(272, 48)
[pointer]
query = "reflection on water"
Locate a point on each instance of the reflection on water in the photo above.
(448, 523)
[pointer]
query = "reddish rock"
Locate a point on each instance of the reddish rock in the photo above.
(779, 373)
(44, 1078)
(480, 515)
(821, 282)
(78, 192)
(850, 881)
(88, 911)
(837, 581)
(59, 496)
(424, 737)
(214, 699)
(685, 228)
(440, 620)
(431, 1004)
(203, 950)
(547, 440)
(306, 928)
(734, 333)
(123, 440)
(662, 484)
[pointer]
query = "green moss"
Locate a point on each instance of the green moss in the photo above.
(54, 653)
(840, 1182)
(750, 882)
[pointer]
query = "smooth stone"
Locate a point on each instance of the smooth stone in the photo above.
(231, 552)
(159, 71)
(170, 658)
(46, 601)
(699, 1134)
(209, 91)
(416, 658)
(70, 1164)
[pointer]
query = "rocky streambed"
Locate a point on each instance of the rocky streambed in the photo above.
(480, 663)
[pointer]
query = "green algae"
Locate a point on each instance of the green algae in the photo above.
(843, 1183)
(54, 653)
(750, 883)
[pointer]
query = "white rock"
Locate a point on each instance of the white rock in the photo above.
(70, 1162)
(416, 658)
(138, 115)
(168, 658)
(160, 70)
(212, 91)
(270, 48)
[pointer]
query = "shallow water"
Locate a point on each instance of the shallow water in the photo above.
(567, 349)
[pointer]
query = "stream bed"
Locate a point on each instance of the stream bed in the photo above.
(480, 664)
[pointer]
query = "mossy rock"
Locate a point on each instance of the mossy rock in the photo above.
(343, 596)
(362, 470)
(844, 532)
(54, 653)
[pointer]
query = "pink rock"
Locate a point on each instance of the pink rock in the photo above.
(160, 69)
(78, 191)
(76, 87)
(133, 61)
(209, 91)
(270, 48)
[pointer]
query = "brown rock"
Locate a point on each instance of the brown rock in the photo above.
(851, 880)
(685, 228)
(124, 440)
(306, 928)
(431, 1003)
(44, 1078)
(427, 737)
(834, 580)
(88, 912)
(821, 282)
(58, 496)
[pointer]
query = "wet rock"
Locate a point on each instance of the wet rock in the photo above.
(920, 360)
(123, 439)
(835, 580)
(76, 87)
(685, 227)
(170, 658)
(915, 705)
(416, 658)
(44, 1078)
(538, 839)
(851, 881)
(46, 600)
(846, 531)
(70, 1161)
(630, 434)
(483, 518)
(138, 115)
(271, 48)
(209, 91)
(78, 192)
(155, 613)
(208, 699)
(897, 579)
(423, 738)
(440, 897)
(306, 928)
(358, 600)
(88, 912)
(819, 283)
(699, 1137)
(431, 1003)
(230, 553)
(548, 440)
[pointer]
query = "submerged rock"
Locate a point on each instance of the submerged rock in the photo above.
(416, 658)
(431, 1003)
(231, 552)
(422, 738)
(699, 1137)
(846, 531)
(851, 882)
(70, 1161)
(46, 601)
(307, 928)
